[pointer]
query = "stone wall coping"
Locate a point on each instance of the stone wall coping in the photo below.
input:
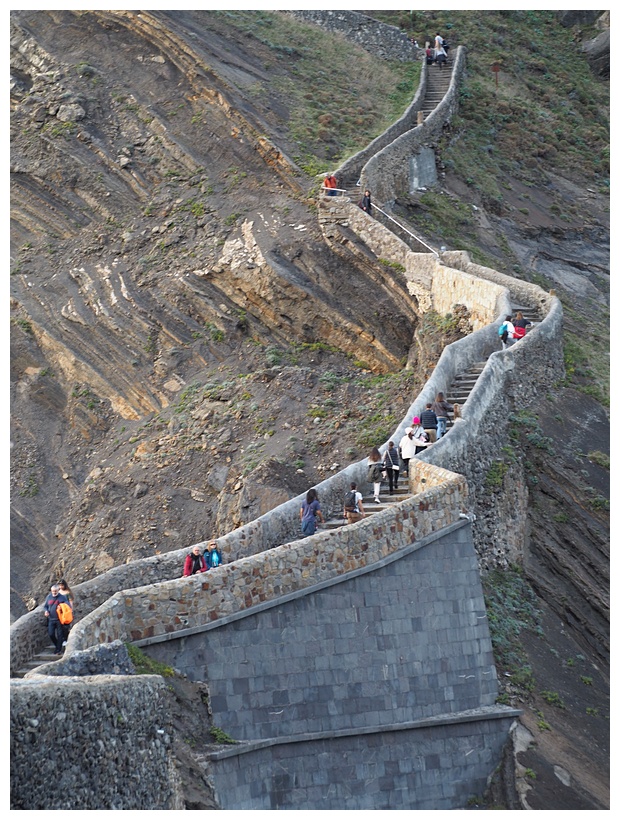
(309, 590)
(483, 713)
(225, 591)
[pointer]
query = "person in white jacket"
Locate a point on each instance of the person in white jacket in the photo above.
(410, 444)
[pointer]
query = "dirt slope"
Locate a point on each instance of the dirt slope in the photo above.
(186, 353)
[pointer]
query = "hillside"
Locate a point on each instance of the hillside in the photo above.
(165, 389)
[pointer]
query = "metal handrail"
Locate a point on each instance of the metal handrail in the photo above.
(402, 227)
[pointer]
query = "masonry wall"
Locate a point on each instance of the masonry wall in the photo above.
(386, 173)
(357, 670)
(401, 639)
(185, 604)
(91, 744)
(433, 767)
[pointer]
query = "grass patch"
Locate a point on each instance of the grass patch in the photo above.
(145, 665)
(511, 607)
(333, 111)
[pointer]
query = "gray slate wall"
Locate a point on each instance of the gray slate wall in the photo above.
(382, 41)
(432, 767)
(397, 641)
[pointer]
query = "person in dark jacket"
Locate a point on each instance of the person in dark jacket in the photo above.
(54, 628)
(441, 408)
(366, 204)
(194, 562)
(392, 466)
(212, 555)
(428, 420)
(310, 512)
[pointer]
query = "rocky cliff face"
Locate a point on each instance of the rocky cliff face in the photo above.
(186, 352)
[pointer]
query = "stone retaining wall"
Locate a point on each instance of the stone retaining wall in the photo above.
(386, 174)
(183, 604)
(433, 766)
(381, 40)
(430, 278)
(92, 744)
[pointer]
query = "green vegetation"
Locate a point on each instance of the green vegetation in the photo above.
(511, 607)
(334, 111)
(599, 458)
(220, 736)
(495, 476)
(25, 325)
(145, 665)
(394, 265)
(553, 699)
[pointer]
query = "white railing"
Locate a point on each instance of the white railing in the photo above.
(402, 227)
(334, 191)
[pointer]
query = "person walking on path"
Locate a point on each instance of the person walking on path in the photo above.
(392, 466)
(407, 449)
(331, 183)
(441, 408)
(520, 326)
(353, 507)
(428, 420)
(419, 436)
(65, 590)
(376, 469)
(54, 628)
(212, 555)
(310, 512)
(194, 562)
(366, 204)
(507, 332)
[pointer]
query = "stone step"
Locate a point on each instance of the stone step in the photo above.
(370, 508)
(38, 660)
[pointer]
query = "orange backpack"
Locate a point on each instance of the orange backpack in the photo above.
(65, 614)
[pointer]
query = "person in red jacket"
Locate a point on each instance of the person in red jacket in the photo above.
(194, 562)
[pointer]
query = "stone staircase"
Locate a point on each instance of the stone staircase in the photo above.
(437, 84)
(370, 507)
(46, 656)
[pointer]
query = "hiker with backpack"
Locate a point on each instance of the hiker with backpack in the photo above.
(194, 562)
(376, 471)
(353, 507)
(65, 590)
(54, 626)
(506, 332)
(309, 513)
(212, 555)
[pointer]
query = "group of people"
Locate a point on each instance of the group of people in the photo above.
(330, 184)
(511, 331)
(58, 610)
(196, 562)
(438, 53)
(429, 427)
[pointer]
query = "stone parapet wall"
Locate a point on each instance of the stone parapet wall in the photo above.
(430, 279)
(91, 744)
(386, 173)
(185, 603)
